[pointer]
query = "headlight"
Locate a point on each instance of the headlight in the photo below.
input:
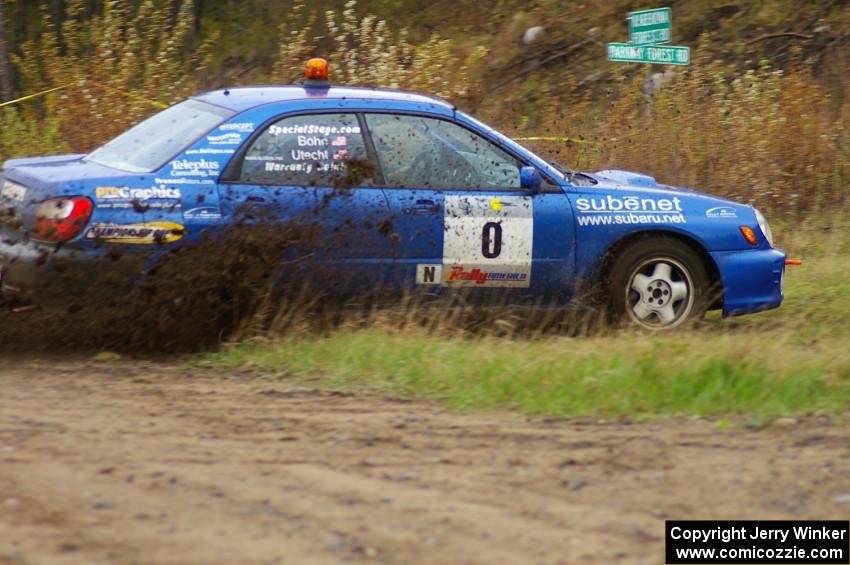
(765, 227)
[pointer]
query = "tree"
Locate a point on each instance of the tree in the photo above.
(21, 25)
(57, 13)
(7, 88)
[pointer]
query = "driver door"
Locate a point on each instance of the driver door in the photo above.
(463, 221)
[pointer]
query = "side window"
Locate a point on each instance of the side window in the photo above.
(309, 150)
(419, 152)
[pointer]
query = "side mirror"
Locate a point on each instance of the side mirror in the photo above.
(530, 179)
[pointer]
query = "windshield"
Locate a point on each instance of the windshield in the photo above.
(150, 144)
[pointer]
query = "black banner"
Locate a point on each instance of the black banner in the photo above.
(761, 542)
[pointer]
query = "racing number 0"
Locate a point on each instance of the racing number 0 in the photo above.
(491, 240)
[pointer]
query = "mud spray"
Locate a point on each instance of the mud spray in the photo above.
(228, 285)
(193, 297)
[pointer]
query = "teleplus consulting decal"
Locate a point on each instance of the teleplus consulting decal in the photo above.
(624, 210)
(194, 168)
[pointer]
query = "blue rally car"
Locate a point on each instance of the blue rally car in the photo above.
(410, 192)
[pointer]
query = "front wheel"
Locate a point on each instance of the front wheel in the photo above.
(658, 283)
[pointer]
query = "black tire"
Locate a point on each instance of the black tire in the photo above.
(658, 283)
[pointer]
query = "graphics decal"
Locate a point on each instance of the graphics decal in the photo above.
(202, 213)
(140, 199)
(429, 274)
(210, 151)
(225, 139)
(433, 275)
(312, 129)
(478, 276)
(487, 242)
(199, 168)
(623, 210)
(293, 149)
(136, 234)
(184, 181)
(721, 212)
(243, 127)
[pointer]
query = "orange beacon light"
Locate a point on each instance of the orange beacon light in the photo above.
(317, 73)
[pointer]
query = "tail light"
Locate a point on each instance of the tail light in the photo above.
(61, 219)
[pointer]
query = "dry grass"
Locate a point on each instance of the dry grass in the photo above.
(769, 137)
(128, 62)
(790, 361)
(118, 67)
(744, 129)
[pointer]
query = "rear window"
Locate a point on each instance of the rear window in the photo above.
(150, 144)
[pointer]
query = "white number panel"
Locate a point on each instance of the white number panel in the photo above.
(487, 241)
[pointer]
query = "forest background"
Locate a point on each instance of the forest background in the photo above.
(760, 115)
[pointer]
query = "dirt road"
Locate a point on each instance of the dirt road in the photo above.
(151, 463)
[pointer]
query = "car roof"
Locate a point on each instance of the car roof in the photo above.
(246, 97)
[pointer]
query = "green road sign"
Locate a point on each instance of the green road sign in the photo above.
(648, 27)
(663, 55)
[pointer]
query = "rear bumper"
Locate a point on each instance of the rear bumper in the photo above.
(27, 268)
(56, 276)
(752, 279)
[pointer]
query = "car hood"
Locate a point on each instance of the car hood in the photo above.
(616, 179)
(613, 178)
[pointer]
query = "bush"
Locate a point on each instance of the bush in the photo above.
(365, 51)
(117, 67)
(766, 136)
(134, 58)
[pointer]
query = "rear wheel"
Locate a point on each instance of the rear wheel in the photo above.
(658, 283)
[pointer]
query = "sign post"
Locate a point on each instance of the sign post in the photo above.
(649, 27)
(657, 54)
(649, 30)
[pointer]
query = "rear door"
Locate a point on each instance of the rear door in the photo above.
(462, 218)
(311, 174)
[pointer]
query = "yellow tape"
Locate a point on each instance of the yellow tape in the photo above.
(137, 97)
(49, 90)
(555, 138)
(37, 94)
